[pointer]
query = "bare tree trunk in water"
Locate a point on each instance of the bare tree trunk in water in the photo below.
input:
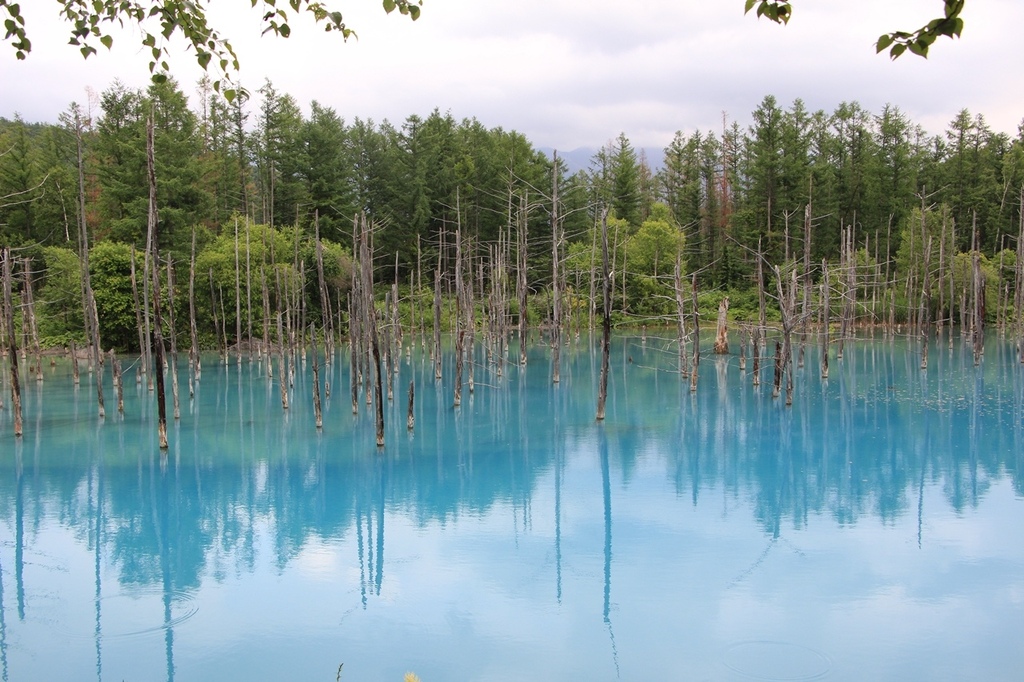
(521, 279)
(143, 339)
(437, 323)
(722, 333)
(11, 340)
(195, 365)
(978, 282)
(158, 334)
(825, 301)
(316, 378)
(556, 290)
(1018, 294)
(696, 335)
(92, 330)
(174, 338)
(606, 319)
(684, 362)
(410, 420)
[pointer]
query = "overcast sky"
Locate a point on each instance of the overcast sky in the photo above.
(572, 73)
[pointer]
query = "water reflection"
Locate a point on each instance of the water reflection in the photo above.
(248, 485)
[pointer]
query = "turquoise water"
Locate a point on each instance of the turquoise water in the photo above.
(873, 530)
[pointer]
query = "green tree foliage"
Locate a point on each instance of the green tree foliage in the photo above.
(20, 185)
(717, 195)
(110, 267)
(651, 255)
(121, 150)
(61, 296)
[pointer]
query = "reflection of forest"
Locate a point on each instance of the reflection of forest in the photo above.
(865, 444)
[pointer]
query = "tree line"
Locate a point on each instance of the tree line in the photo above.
(260, 178)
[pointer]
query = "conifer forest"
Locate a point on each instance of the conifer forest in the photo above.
(141, 225)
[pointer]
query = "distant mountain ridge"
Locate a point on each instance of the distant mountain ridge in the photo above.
(579, 159)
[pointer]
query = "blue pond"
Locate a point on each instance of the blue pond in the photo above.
(872, 530)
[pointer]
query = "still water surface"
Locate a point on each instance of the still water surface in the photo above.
(873, 530)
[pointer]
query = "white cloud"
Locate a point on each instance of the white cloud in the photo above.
(570, 73)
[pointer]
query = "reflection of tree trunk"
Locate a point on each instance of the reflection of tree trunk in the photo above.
(379, 575)
(161, 511)
(98, 545)
(559, 463)
(19, 540)
(606, 490)
(3, 629)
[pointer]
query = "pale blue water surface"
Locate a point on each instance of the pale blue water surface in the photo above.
(873, 530)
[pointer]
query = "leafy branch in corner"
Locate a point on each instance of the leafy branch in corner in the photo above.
(158, 21)
(918, 42)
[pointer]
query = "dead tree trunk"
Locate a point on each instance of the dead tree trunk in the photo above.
(926, 303)
(521, 278)
(75, 374)
(762, 319)
(158, 334)
(115, 367)
(367, 263)
(437, 323)
(213, 310)
(784, 352)
(684, 358)
(174, 338)
(195, 364)
(606, 320)
(143, 338)
(354, 352)
(556, 290)
(721, 346)
(325, 300)
(805, 312)
(695, 365)
(92, 330)
(978, 285)
(11, 341)
(410, 419)
(238, 299)
(389, 363)
(29, 319)
(1018, 294)
(317, 414)
(282, 367)
(460, 336)
(825, 321)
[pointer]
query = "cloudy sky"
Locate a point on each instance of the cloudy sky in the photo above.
(572, 73)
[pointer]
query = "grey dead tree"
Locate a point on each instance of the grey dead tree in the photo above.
(11, 341)
(151, 252)
(606, 318)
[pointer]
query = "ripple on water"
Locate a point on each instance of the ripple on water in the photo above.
(136, 614)
(779, 661)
